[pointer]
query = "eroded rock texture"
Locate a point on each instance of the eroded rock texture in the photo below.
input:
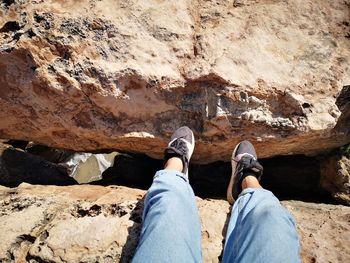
(335, 178)
(102, 224)
(93, 75)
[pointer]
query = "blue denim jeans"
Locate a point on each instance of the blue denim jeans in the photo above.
(259, 230)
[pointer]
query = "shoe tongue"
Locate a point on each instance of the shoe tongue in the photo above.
(246, 160)
(249, 164)
(173, 150)
(243, 155)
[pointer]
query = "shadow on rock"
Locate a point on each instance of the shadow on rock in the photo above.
(289, 177)
(224, 232)
(133, 233)
(17, 167)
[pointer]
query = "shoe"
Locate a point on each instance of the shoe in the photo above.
(181, 145)
(244, 162)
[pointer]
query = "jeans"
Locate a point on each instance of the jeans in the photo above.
(259, 230)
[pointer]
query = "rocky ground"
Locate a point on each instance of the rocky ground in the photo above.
(104, 76)
(102, 224)
(58, 220)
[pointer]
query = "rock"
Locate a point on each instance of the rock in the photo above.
(83, 167)
(335, 177)
(95, 75)
(50, 154)
(323, 229)
(88, 167)
(95, 223)
(40, 164)
(17, 166)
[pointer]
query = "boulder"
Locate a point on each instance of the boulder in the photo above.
(18, 166)
(94, 75)
(335, 177)
(102, 224)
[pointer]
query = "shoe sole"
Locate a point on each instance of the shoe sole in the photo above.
(193, 144)
(229, 195)
(192, 150)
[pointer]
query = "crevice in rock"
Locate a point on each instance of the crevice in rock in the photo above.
(21, 245)
(26, 237)
(35, 259)
(195, 13)
(10, 26)
(288, 177)
(8, 3)
(19, 166)
(133, 231)
(343, 103)
(44, 235)
(92, 211)
(118, 209)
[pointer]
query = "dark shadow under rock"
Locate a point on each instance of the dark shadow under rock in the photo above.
(294, 177)
(131, 170)
(18, 167)
(288, 177)
(134, 233)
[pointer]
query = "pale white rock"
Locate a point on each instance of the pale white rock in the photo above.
(93, 223)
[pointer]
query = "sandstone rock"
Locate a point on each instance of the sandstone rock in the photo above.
(85, 223)
(335, 177)
(93, 75)
(323, 229)
(94, 223)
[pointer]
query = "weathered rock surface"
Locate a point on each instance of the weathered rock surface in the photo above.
(93, 75)
(94, 223)
(324, 231)
(335, 178)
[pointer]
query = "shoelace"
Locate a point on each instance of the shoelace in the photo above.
(180, 145)
(250, 166)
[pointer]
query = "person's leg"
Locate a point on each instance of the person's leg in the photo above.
(260, 229)
(171, 229)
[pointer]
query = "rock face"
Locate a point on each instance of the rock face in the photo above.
(335, 178)
(94, 75)
(323, 229)
(102, 224)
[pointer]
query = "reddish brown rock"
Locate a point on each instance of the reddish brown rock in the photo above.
(92, 75)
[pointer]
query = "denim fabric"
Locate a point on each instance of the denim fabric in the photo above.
(260, 229)
(171, 229)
